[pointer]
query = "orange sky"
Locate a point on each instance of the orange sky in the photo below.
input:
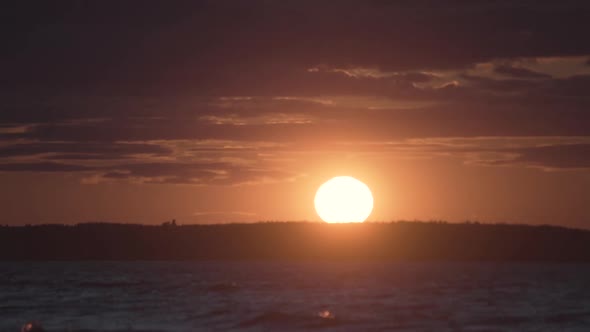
(213, 112)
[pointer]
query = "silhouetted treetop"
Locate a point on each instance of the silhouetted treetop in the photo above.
(295, 241)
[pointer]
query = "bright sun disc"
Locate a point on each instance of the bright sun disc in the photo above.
(343, 199)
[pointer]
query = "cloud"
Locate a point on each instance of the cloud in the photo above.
(553, 157)
(197, 173)
(42, 167)
(10, 129)
(186, 48)
(162, 173)
(223, 163)
(519, 72)
(200, 93)
(547, 153)
(481, 107)
(79, 150)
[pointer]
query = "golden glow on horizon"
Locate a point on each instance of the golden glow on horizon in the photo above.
(343, 199)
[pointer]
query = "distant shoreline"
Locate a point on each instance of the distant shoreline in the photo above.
(396, 241)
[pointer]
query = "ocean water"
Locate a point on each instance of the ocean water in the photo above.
(281, 296)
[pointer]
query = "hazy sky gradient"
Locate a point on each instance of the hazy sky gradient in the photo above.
(217, 111)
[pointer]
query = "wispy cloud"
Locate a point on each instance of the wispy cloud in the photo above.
(238, 213)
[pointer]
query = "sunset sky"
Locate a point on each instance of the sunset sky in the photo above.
(219, 111)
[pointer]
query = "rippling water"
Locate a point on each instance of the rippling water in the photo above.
(275, 296)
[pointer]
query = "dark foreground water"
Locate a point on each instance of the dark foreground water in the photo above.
(274, 296)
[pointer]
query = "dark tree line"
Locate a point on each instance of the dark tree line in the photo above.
(296, 241)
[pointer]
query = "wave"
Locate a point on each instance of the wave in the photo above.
(109, 284)
(34, 326)
(557, 319)
(66, 283)
(223, 287)
(567, 317)
(279, 319)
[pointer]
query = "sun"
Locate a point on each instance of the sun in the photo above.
(343, 199)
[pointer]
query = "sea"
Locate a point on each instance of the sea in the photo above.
(294, 296)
